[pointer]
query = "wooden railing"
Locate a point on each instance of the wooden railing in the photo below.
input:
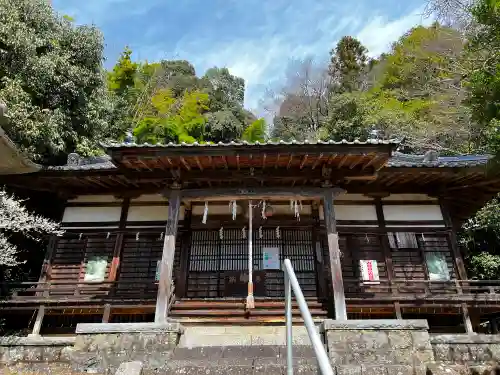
(77, 291)
(355, 290)
(407, 290)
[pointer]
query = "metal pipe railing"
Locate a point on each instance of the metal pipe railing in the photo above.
(292, 284)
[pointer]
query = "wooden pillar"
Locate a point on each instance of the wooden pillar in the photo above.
(386, 248)
(167, 260)
(459, 262)
(44, 276)
(47, 261)
(185, 250)
(107, 313)
(334, 254)
(318, 253)
(38, 321)
(117, 251)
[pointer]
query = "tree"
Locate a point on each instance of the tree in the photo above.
(122, 78)
(348, 61)
(483, 81)
(480, 236)
(15, 219)
(302, 103)
(52, 80)
(170, 120)
(227, 91)
(222, 126)
(256, 132)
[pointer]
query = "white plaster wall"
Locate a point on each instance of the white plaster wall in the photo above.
(94, 199)
(348, 212)
(412, 212)
(150, 198)
(91, 214)
(409, 197)
(151, 213)
(353, 197)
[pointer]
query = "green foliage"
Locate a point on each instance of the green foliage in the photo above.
(166, 102)
(122, 78)
(222, 126)
(348, 61)
(169, 120)
(480, 237)
(256, 132)
(52, 81)
(484, 76)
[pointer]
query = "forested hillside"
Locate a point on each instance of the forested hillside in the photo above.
(437, 87)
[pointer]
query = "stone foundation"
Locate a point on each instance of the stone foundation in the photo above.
(355, 347)
(103, 347)
(34, 350)
(464, 349)
(378, 346)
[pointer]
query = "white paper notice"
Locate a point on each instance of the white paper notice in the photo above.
(271, 258)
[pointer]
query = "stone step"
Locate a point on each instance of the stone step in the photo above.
(255, 359)
(232, 335)
(271, 353)
(235, 368)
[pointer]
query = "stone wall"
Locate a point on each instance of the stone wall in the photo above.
(101, 348)
(32, 354)
(378, 347)
(464, 349)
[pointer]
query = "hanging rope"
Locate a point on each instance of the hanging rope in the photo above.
(221, 233)
(205, 213)
(278, 233)
(244, 233)
(137, 236)
(250, 300)
(260, 232)
(264, 210)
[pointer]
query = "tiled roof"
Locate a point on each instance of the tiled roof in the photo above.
(428, 161)
(245, 143)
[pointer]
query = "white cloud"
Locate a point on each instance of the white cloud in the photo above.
(379, 33)
(261, 61)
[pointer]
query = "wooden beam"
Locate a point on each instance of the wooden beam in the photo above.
(316, 162)
(198, 162)
(223, 194)
(334, 252)
(185, 163)
(165, 286)
(304, 160)
(290, 161)
(118, 249)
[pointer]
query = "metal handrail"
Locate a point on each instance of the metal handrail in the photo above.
(292, 284)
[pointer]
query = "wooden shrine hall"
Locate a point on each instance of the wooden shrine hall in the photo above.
(198, 233)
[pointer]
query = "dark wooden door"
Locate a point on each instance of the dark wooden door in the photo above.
(218, 265)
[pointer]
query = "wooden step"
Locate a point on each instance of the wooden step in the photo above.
(241, 312)
(251, 321)
(189, 305)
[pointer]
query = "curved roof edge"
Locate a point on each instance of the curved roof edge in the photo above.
(12, 161)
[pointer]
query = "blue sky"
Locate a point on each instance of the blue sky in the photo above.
(255, 39)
